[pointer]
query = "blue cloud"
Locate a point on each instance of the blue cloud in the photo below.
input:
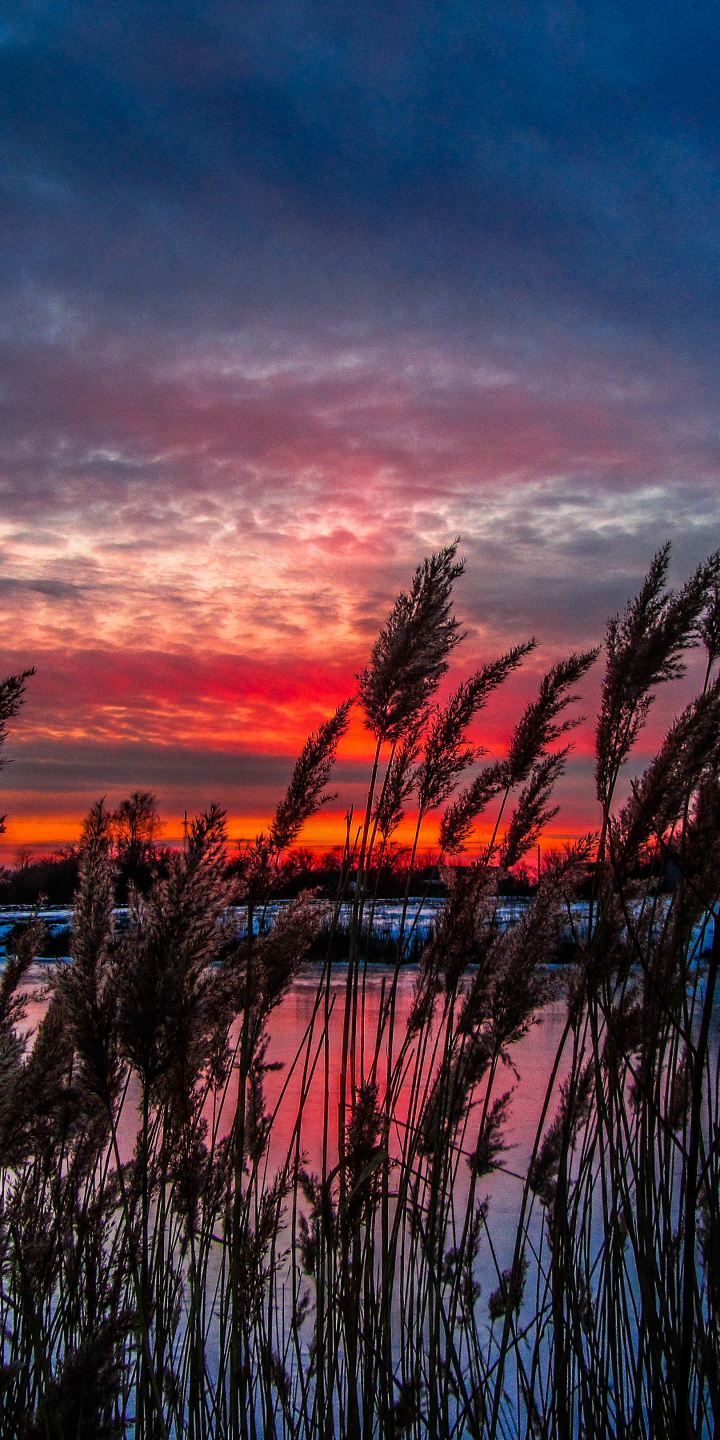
(452, 162)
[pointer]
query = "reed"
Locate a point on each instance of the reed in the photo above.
(166, 1270)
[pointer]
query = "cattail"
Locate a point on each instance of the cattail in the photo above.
(410, 654)
(304, 796)
(644, 649)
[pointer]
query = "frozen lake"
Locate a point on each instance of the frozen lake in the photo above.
(421, 916)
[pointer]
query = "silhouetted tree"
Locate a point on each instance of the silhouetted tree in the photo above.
(135, 826)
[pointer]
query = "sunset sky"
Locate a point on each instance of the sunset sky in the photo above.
(296, 293)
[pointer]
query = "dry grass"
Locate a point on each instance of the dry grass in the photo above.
(192, 1291)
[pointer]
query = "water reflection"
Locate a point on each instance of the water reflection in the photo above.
(296, 1032)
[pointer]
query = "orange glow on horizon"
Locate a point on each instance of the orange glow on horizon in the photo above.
(325, 831)
(204, 724)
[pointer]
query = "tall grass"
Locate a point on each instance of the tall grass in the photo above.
(192, 1287)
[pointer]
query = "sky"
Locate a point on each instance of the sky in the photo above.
(293, 294)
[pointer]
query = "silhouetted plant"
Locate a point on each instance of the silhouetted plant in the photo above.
(167, 1269)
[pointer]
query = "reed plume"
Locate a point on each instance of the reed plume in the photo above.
(81, 1399)
(167, 995)
(87, 986)
(710, 627)
(399, 783)
(644, 649)
(12, 689)
(690, 749)
(304, 796)
(410, 655)
(31, 1090)
(445, 753)
(458, 820)
(532, 814)
(538, 727)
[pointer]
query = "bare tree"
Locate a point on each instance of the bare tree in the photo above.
(135, 827)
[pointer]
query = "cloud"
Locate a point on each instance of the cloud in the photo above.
(494, 162)
(56, 589)
(55, 767)
(295, 294)
(234, 497)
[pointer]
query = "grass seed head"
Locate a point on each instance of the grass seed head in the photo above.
(445, 751)
(532, 813)
(410, 655)
(458, 820)
(304, 795)
(644, 649)
(538, 727)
